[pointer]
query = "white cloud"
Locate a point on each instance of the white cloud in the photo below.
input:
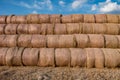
(94, 7)
(35, 12)
(61, 3)
(25, 5)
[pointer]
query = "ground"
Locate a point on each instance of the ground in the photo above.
(57, 73)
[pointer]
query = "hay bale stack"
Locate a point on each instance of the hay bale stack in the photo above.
(22, 29)
(55, 18)
(99, 28)
(76, 18)
(46, 57)
(60, 29)
(24, 41)
(87, 28)
(50, 29)
(89, 18)
(17, 58)
(62, 57)
(90, 57)
(21, 19)
(96, 41)
(100, 18)
(73, 28)
(34, 28)
(112, 58)
(111, 18)
(8, 19)
(30, 56)
(2, 27)
(3, 19)
(66, 18)
(43, 29)
(3, 52)
(38, 41)
(2, 41)
(44, 18)
(11, 28)
(33, 18)
(82, 40)
(99, 58)
(78, 57)
(111, 41)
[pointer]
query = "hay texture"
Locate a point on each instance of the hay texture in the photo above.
(50, 29)
(89, 18)
(55, 18)
(46, 57)
(3, 19)
(60, 29)
(34, 28)
(100, 18)
(77, 18)
(21, 19)
(44, 18)
(2, 27)
(33, 18)
(111, 18)
(2, 41)
(66, 18)
(118, 38)
(87, 28)
(62, 57)
(8, 19)
(22, 29)
(13, 19)
(43, 29)
(11, 29)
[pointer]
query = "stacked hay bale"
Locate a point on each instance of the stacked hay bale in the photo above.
(77, 40)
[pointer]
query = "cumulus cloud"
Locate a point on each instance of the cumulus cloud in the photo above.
(61, 3)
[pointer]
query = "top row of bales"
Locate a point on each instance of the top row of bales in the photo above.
(58, 18)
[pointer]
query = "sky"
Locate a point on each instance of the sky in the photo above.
(23, 7)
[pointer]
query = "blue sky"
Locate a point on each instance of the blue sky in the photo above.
(22, 7)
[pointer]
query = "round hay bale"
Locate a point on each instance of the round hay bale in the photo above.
(78, 57)
(9, 56)
(3, 19)
(96, 41)
(73, 28)
(80, 28)
(66, 18)
(46, 57)
(62, 57)
(43, 29)
(76, 18)
(30, 56)
(17, 58)
(89, 18)
(11, 28)
(50, 29)
(21, 19)
(82, 40)
(44, 18)
(24, 40)
(33, 18)
(112, 18)
(52, 41)
(112, 58)
(87, 28)
(66, 41)
(60, 29)
(13, 19)
(8, 19)
(55, 18)
(99, 58)
(2, 41)
(100, 18)
(2, 27)
(22, 29)
(112, 29)
(3, 52)
(90, 57)
(99, 28)
(38, 41)
(111, 41)
(34, 28)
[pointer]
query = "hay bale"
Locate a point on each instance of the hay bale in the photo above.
(38, 41)
(112, 58)
(80, 28)
(76, 18)
(34, 28)
(119, 18)
(11, 29)
(3, 52)
(46, 57)
(17, 58)
(99, 58)
(50, 29)
(21, 19)
(44, 18)
(82, 40)
(89, 18)
(3, 19)
(22, 29)
(24, 40)
(43, 29)
(13, 19)
(87, 28)
(78, 57)
(2, 41)
(66, 41)
(60, 29)
(62, 57)
(33, 18)
(100, 18)
(112, 29)
(90, 57)
(66, 18)
(73, 28)
(111, 41)
(8, 19)
(111, 18)
(96, 41)
(30, 56)
(99, 28)
(55, 18)
(2, 27)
